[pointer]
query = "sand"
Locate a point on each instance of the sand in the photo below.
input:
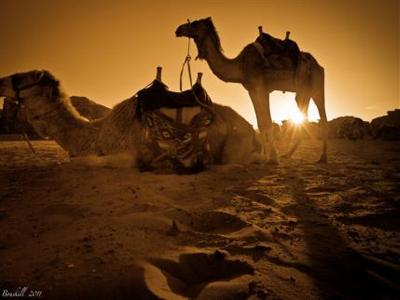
(88, 229)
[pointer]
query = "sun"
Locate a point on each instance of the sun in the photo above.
(284, 108)
(296, 117)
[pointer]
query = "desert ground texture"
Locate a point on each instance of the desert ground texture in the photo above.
(84, 229)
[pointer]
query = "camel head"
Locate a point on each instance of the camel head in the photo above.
(27, 85)
(199, 30)
(37, 91)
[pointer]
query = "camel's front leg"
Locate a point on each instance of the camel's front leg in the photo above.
(260, 99)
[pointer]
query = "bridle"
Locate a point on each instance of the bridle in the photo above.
(17, 89)
(20, 103)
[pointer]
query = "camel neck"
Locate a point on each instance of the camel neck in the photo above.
(72, 132)
(226, 69)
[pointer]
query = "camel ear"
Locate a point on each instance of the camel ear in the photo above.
(46, 77)
(209, 21)
(40, 75)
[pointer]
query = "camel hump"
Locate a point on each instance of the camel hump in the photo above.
(280, 54)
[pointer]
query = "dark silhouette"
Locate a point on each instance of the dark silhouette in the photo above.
(261, 76)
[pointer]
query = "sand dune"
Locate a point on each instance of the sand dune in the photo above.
(78, 230)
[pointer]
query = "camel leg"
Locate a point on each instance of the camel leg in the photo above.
(260, 99)
(320, 102)
(303, 102)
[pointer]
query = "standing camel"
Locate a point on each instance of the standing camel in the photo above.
(248, 68)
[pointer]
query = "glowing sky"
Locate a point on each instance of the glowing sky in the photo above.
(108, 50)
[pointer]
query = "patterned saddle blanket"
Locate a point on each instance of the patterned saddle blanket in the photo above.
(174, 129)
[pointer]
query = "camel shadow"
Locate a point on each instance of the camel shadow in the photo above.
(338, 271)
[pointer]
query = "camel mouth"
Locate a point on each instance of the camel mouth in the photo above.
(5, 88)
(178, 33)
(181, 31)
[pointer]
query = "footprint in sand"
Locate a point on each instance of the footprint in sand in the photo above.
(197, 275)
(216, 222)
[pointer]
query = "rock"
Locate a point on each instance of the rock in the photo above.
(387, 127)
(348, 127)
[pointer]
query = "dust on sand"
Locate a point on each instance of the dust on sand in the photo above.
(297, 231)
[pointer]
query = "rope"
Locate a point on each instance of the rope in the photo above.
(28, 142)
(187, 62)
(24, 134)
(18, 111)
(20, 105)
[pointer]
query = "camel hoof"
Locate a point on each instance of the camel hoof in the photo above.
(286, 156)
(322, 160)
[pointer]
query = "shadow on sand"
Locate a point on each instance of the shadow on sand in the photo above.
(339, 272)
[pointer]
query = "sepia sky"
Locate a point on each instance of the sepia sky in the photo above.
(108, 50)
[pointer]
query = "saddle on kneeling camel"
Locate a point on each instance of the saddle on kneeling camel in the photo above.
(174, 128)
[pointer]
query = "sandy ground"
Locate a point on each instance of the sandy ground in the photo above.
(296, 231)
